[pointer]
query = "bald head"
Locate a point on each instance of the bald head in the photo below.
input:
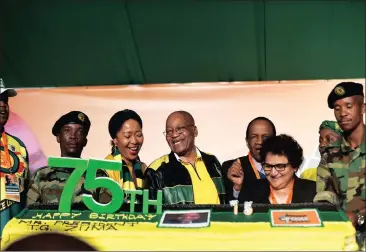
(180, 132)
(188, 118)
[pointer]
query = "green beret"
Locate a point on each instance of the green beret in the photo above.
(75, 117)
(343, 90)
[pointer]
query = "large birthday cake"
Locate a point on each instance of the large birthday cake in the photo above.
(149, 225)
(269, 227)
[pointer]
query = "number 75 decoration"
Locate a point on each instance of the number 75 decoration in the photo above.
(92, 182)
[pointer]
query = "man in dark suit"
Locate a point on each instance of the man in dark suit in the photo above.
(258, 130)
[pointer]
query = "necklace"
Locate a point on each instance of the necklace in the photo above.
(272, 195)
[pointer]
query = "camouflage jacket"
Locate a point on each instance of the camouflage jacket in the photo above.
(341, 177)
(47, 184)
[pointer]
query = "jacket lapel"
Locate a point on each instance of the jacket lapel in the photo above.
(298, 193)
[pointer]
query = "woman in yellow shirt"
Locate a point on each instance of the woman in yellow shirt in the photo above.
(125, 129)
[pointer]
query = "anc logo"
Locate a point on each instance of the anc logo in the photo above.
(11, 167)
(339, 91)
(81, 117)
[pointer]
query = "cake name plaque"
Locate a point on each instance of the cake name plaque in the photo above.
(295, 218)
(92, 182)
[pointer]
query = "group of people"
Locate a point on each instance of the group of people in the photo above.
(188, 175)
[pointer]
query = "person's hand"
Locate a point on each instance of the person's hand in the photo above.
(353, 218)
(236, 175)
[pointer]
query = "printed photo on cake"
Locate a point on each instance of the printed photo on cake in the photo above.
(188, 218)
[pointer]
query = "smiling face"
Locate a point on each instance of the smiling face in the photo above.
(349, 112)
(180, 133)
(258, 131)
(278, 171)
(4, 113)
(129, 140)
(72, 139)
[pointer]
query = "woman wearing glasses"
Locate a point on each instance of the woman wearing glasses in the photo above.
(282, 157)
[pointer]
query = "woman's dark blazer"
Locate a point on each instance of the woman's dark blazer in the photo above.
(258, 191)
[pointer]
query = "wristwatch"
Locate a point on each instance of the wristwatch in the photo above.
(360, 218)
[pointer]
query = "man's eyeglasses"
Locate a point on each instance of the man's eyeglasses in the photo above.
(179, 130)
(278, 167)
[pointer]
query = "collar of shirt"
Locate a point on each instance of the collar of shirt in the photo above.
(258, 166)
(199, 156)
(346, 147)
(363, 144)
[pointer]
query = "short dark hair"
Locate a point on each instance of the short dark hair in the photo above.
(283, 145)
(118, 119)
(260, 118)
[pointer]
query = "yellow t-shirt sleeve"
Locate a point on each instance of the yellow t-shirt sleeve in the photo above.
(309, 174)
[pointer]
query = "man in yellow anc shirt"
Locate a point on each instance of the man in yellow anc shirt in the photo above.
(186, 175)
(14, 165)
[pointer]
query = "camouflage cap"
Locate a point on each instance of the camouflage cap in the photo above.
(75, 117)
(343, 90)
(332, 125)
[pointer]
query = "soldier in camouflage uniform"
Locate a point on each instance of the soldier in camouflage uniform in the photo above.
(341, 175)
(47, 183)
